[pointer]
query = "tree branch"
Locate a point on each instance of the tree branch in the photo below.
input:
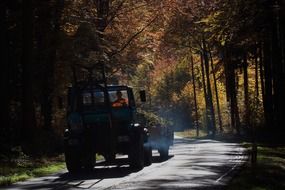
(133, 37)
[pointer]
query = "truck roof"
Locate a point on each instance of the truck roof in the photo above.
(110, 87)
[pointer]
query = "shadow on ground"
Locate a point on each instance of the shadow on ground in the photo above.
(104, 170)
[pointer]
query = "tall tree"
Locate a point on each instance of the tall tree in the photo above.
(209, 89)
(197, 126)
(216, 93)
(4, 77)
(246, 93)
(28, 110)
(231, 88)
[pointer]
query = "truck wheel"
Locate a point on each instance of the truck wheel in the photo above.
(148, 155)
(89, 161)
(136, 154)
(164, 152)
(110, 158)
(72, 161)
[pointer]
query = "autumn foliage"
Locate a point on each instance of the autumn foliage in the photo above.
(214, 65)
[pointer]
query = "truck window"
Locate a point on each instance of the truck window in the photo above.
(119, 101)
(98, 97)
(87, 98)
(90, 98)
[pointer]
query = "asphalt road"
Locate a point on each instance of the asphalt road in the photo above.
(192, 164)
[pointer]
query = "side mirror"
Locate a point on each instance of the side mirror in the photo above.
(142, 96)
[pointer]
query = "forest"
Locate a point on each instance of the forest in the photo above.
(210, 65)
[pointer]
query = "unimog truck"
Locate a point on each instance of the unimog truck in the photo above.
(95, 126)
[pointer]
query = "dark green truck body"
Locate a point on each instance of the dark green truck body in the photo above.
(95, 127)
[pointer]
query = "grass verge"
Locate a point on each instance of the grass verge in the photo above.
(191, 133)
(25, 168)
(267, 174)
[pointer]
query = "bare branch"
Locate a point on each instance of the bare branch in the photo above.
(134, 36)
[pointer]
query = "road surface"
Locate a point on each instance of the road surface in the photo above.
(192, 164)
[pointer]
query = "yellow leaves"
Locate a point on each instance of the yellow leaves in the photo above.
(69, 28)
(175, 98)
(203, 20)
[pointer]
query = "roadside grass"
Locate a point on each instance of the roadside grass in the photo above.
(24, 168)
(267, 174)
(191, 133)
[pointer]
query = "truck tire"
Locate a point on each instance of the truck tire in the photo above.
(89, 161)
(72, 161)
(147, 156)
(110, 158)
(163, 152)
(136, 153)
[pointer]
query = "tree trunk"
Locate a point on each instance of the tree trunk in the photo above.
(4, 80)
(44, 59)
(51, 12)
(195, 97)
(217, 94)
(209, 89)
(261, 73)
(102, 14)
(268, 97)
(231, 89)
(28, 111)
(4, 95)
(208, 123)
(282, 49)
(278, 68)
(256, 73)
(246, 95)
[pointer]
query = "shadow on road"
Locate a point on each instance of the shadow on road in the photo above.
(104, 170)
(65, 181)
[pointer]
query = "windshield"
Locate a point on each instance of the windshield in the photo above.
(118, 98)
